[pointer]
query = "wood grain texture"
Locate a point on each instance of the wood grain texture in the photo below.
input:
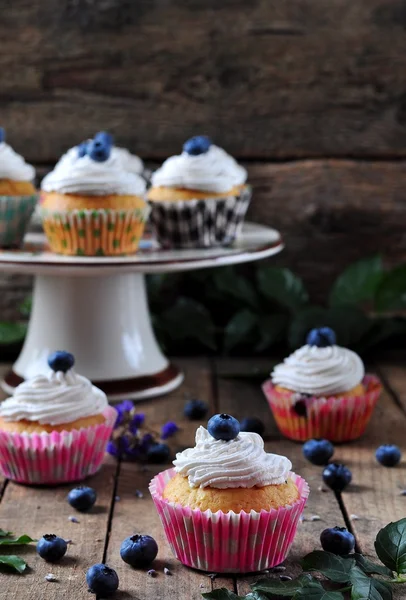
(40, 510)
(138, 515)
(265, 78)
(245, 399)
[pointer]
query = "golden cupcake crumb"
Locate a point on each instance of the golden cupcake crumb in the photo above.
(168, 194)
(232, 499)
(55, 201)
(16, 188)
(25, 426)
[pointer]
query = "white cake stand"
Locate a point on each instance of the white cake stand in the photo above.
(97, 309)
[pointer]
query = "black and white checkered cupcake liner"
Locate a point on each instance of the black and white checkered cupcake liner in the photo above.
(199, 223)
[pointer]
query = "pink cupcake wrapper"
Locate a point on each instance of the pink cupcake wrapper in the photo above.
(50, 458)
(335, 419)
(228, 542)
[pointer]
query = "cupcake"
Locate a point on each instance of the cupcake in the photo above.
(321, 391)
(199, 198)
(228, 506)
(90, 205)
(55, 428)
(18, 195)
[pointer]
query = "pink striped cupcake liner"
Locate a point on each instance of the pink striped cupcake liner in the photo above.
(336, 419)
(228, 542)
(57, 457)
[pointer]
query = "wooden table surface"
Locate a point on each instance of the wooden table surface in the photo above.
(371, 501)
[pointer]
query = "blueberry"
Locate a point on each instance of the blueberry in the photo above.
(223, 427)
(82, 498)
(2, 134)
(195, 410)
(82, 149)
(102, 580)
(337, 540)
(322, 337)
(98, 150)
(51, 547)
(197, 145)
(158, 453)
(104, 136)
(318, 452)
(337, 476)
(253, 425)
(388, 455)
(61, 361)
(139, 550)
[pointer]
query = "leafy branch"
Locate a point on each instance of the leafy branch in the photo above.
(11, 560)
(366, 580)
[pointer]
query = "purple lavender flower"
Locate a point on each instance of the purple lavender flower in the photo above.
(125, 406)
(136, 422)
(112, 449)
(146, 442)
(169, 429)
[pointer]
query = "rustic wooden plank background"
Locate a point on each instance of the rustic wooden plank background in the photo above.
(311, 94)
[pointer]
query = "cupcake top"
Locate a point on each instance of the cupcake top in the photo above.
(12, 165)
(320, 367)
(240, 462)
(94, 168)
(61, 396)
(201, 166)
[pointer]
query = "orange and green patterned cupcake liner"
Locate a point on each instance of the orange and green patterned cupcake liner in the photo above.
(335, 419)
(87, 232)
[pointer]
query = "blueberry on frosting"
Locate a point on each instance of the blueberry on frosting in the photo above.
(322, 337)
(223, 427)
(196, 145)
(61, 361)
(82, 149)
(104, 136)
(99, 150)
(2, 134)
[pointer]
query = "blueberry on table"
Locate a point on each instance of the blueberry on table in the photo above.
(158, 453)
(321, 337)
(337, 540)
(51, 547)
(105, 137)
(318, 452)
(199, 144)
(99, 150)
(252, 425)
(337, 476)
(61, 361)
(388, 455)
(195, 409)
(82, 498)
(139, 550)
(223, 427)
(102, 580)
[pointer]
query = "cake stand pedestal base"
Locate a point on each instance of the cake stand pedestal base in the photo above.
(105, 323)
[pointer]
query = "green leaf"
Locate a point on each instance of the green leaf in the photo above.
(13, 541)
(229, 283)
(282, 588)
(368, 566)
(390, 546)
(188, 319)
(358, 283)
(332, 566)
(283, 287)
(14, 562)
(271, 330)
(11, 333)
(5, 533)
(315, 591)
(239, 329)
(221, 594)
(366, 588)
(391, 293)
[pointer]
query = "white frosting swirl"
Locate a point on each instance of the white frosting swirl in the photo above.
(241, 462)
(128, 162)
(13, 166)
(214, 171)
(320, 371)
(54, 399)
(82, 175)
